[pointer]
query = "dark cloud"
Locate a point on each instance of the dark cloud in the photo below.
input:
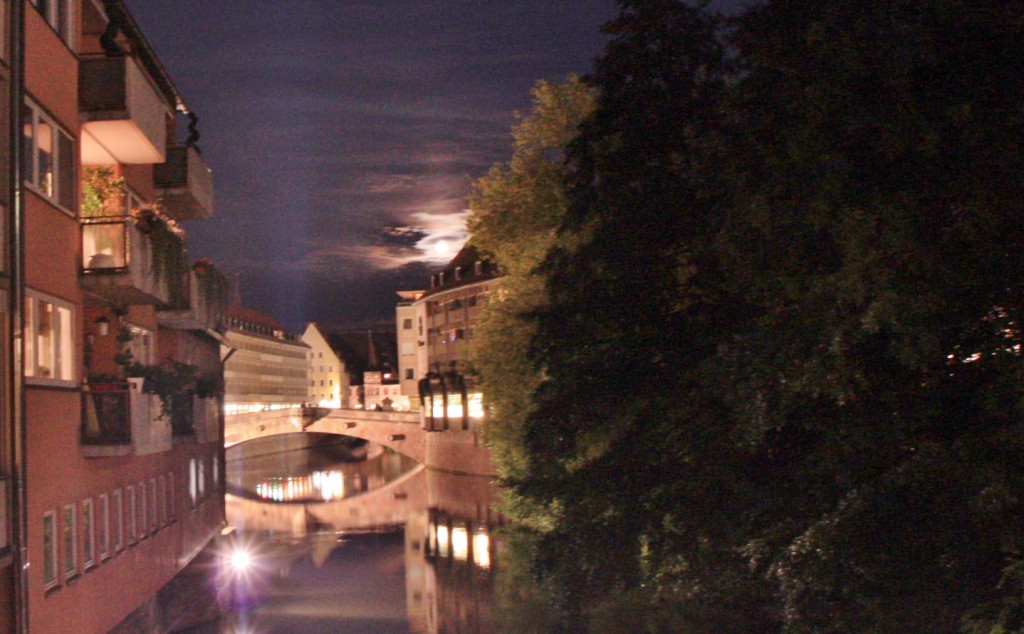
(332, 124)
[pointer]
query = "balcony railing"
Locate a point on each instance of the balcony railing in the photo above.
(124, 261)
(187, 184)
(119, 419)
(125, 117)
(201, 308)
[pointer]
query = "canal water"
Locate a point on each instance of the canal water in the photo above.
(338, 535)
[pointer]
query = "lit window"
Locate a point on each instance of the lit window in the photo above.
(49, 337)
(49, 165)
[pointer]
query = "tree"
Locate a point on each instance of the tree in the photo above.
(517, 208)
(777, 362)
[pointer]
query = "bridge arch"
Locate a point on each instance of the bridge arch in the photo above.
(458, 451)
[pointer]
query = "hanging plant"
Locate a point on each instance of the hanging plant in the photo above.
(102, 193)
(168, 254)
(214, 286)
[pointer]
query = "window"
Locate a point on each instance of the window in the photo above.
(49, 166)
(407, 324)
(193, 485)
(161, 492)
(143, 526)
(410, 374)
(170, 497)
(133, 524)
(70, 537)
(88, 536)
(154, 519)
(58, 14)
(118, 519)
(103, 526)
(50, 549)
(141, 344)
(49, 337)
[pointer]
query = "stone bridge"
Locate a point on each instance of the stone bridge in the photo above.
(457, 451)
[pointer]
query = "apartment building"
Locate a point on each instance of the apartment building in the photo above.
(441, 321)
(266, 367)
(112, 432)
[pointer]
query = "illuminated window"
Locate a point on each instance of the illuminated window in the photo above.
(49, 337)
(50, 549)
(49, 165)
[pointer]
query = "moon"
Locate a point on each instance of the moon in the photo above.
(442, 247)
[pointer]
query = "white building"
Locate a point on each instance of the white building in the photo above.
(328, 377)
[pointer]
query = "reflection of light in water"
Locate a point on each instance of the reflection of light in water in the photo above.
(442, 540)
(331, 484)
(460, 543)
(481, 550)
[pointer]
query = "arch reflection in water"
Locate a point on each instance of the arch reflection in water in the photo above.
(393, 532)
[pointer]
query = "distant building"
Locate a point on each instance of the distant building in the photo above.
(266, 366)
(328, 377)
(443, 318)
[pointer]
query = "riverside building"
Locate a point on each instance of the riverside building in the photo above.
(435, 338)
(110, 371)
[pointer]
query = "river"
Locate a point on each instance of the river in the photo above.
(336, 536)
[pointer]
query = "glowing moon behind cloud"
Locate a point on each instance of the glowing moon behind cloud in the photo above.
(442, 247)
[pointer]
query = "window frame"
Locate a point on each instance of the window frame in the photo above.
(32, 361)
(30, 175)
(103, 526)
(51, 577)
(88, 513)
(118, 523)
(69, 540)
(55, 12)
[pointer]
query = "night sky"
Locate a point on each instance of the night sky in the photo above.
(344, 135)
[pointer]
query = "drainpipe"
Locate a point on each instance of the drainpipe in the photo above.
(16, 302)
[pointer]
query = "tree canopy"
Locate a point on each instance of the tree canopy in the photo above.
(774, 344)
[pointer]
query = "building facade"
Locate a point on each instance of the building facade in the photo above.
(328, 378)
(441, 320)
(266, 366)
(112, 426)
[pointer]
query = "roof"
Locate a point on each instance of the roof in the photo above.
(462, 271)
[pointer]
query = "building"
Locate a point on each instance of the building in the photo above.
(266, 367)
(328, 378)
(442, 321)
(111, 447)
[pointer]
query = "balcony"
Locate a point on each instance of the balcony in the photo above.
(119, 419)
(127, 260)
(206, 299)
(124, 117)
(187, 184)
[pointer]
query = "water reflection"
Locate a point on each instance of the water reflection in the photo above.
(357, 539)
